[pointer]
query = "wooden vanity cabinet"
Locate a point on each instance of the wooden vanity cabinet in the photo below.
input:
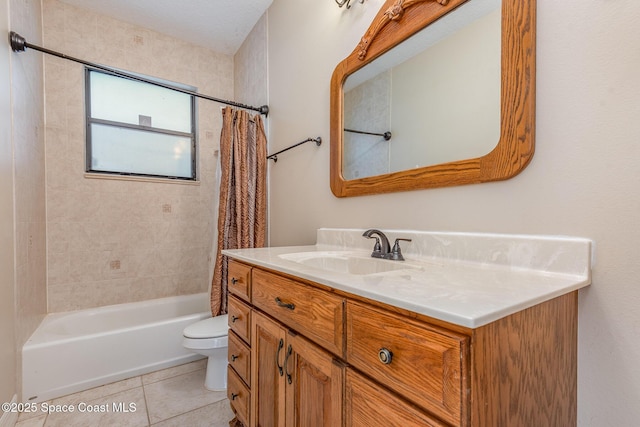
(239, 350)
(239, 280)
(420, 362)
(321, 357)
(367, 404)
(294, 382)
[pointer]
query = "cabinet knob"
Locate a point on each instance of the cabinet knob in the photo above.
(234, 318)
(234, 357)
(234, 280)
(385, 355)
(234, 395)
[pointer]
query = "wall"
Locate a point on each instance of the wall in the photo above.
(367, 107)
(27, 92)
(22, 192)
(161, 233)
(448, 89)
(582, 181)
(251, 72)
(7, 277)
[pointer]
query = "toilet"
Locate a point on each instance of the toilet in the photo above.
(209, 337)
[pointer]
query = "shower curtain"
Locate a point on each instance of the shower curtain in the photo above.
(242, 209)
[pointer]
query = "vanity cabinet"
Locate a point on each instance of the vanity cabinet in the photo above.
(367, 404)
(326, 357)
(294, 382)
(239, 350)
(420, 362)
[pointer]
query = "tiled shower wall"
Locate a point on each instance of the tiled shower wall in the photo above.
(115, 241)
(22, 165)
(367, 108)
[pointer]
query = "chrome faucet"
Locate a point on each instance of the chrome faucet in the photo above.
(382, 249)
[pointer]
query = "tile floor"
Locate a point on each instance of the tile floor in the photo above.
(167, 398)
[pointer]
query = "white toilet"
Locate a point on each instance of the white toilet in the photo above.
(209, 337)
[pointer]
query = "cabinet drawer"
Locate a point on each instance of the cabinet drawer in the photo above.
(314, 313)
(239, 280)
(239, 396)
(239, 318)
(369, 405)
(427, 364)
(240, 357)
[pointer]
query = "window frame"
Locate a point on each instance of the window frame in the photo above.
(89, 120)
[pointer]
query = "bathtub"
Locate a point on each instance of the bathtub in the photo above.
(77, 350)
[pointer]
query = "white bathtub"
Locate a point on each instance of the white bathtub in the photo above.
(77, 350)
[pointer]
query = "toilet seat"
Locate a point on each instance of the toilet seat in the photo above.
(212, 327)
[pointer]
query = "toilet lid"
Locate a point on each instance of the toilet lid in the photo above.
(208, 328)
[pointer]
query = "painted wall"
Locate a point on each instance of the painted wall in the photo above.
(584, 179)
(114, 241)
(446, 106)
(22, 192)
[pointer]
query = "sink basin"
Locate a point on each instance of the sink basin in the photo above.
(347, 262)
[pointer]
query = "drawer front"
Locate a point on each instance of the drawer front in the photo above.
(239, 280)
(239, 396)
(240, 318)
(316, 314)
(424, 364)
(239, 357)
(369, 405)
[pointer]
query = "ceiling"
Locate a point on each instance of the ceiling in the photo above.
(220, 25)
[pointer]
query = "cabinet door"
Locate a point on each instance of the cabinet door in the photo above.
(314, 385)
(267, 372)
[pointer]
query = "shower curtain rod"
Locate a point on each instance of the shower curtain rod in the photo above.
(19, 44)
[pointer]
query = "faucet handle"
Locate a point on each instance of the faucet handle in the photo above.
(396, 252)
(377, 248)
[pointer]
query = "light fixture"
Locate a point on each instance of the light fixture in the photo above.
(347, 2)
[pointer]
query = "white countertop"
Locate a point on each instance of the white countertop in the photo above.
(466, 279)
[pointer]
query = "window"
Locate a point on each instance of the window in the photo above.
(140, 129)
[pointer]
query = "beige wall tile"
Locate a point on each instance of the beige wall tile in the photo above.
(95, 222)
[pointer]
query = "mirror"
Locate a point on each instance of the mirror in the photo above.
(437, 93)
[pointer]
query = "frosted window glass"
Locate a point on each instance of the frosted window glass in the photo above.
(122, 100)
(115, 149)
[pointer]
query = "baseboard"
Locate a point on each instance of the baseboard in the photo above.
(9, 419)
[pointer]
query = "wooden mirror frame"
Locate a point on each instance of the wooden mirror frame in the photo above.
(398, 20)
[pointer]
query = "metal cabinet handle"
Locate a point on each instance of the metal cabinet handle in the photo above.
(234, 318)
(385, 355)
(234, 357)
(286, 366)
(234, 280)
(234, 395)
(280, 345)
(284, 304)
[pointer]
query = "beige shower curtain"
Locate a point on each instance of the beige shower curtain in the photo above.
(242, 211)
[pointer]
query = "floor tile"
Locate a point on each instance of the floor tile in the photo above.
(174, 371)
(98, 392)
(109, 417)
(215, 415)
(23, 416)
(37, 421)
(178, 395)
